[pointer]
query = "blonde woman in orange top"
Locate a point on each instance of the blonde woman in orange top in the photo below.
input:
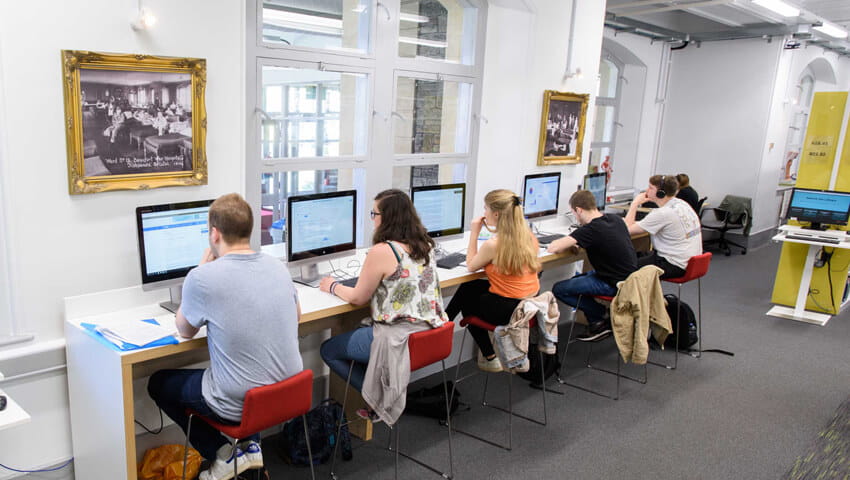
(509, 258)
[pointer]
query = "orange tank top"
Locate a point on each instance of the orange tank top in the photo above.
(512, 286)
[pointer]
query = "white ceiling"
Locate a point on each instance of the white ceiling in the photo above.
(710, 20)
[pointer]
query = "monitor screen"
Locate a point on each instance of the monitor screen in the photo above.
(819, 207)
(440, 207)
(595, 184)
(172, 238)
(320, 224)
(540, 194)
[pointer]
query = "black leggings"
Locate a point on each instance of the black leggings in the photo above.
(474, 299)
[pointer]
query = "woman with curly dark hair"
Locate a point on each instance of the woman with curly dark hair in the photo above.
(399, 277)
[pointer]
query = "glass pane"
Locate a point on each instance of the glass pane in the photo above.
(324, 24)
(273, 99)
(608, 76)
(307, 131)
(331, 130)
(603, 125)
(599, 155)
(276, 187)
(408, 176)
(331, 149)
(317, 106)
(437, 29)
(431, 116)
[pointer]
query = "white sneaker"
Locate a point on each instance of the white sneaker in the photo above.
(493, 365)
(253, 454)
(222, 467)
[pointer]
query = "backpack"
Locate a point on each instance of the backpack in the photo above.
(687, 328)
(551, 364)
(431, 401)
(322, 425)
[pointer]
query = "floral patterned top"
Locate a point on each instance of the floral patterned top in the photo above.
(412, 293)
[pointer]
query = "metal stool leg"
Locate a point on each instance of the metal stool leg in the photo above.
(699, 318)
(310, 450)
(186, 445)
(339, 427)
(448, 420)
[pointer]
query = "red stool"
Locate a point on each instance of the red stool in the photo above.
(265, 407)
(696, 269)
(425, 348)
(587, 363)
(478, 322)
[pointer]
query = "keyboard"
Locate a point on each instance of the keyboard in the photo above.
(349, 282)
(451, 260)
(547, 239)
(832, 240)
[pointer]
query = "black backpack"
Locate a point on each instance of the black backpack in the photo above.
(431, 401)
(551, 364)
(687, 328)
(322, 425)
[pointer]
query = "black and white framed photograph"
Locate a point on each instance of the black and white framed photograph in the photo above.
(562, 127)
(135, 121)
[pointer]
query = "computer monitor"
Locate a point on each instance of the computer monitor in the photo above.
(820, 207)
(595, 184)
(441, 208)
(541, 193)
(319, 227)
(172, 239)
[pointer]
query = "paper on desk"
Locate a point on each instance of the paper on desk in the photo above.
(133, 331)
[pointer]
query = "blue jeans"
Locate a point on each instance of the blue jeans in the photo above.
(354, 346)
(176, 390)
(585, 285)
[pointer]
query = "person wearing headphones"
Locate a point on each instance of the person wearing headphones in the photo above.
(674, 227)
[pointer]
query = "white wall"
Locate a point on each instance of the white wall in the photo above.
(63, 245)
(518, 67)
(717, 114)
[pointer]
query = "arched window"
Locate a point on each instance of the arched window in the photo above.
(607, 110)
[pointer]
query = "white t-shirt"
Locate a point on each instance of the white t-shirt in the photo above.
(676, 231)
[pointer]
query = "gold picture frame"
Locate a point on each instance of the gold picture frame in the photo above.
(134, 122)
(562, 127)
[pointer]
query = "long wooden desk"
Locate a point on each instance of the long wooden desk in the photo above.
(100, 379)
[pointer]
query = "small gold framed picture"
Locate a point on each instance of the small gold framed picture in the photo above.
(562, 127)
(134, 122)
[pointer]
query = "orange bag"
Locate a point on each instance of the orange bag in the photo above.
(166, 463)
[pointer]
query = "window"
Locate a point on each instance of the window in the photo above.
(312, 113)
(359, 94)
(438, 30)
(607, 109)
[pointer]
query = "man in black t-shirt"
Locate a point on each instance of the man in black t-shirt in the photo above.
(606, 239)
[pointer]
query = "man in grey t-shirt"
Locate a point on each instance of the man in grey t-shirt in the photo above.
(674, 227)
(249, 305)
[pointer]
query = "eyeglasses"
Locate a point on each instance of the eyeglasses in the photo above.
(373, 214)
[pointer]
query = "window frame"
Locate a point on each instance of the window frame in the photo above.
(602, 101)
(373, 170)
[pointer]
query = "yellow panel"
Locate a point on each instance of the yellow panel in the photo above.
(822, 136)
(788, 273)
(842, 182)
(816, 163)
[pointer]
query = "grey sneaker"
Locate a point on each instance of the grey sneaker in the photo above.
(222, 467)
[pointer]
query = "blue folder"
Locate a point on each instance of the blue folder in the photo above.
(90, 328)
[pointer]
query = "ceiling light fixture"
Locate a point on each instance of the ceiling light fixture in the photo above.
(144, 19)
(780, 7)
(831, 29)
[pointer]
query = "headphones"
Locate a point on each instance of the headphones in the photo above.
(659, 192)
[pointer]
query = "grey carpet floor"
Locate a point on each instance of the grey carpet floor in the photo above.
(744, 417)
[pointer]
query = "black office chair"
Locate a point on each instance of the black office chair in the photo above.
(731, 216)
(700, 203)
